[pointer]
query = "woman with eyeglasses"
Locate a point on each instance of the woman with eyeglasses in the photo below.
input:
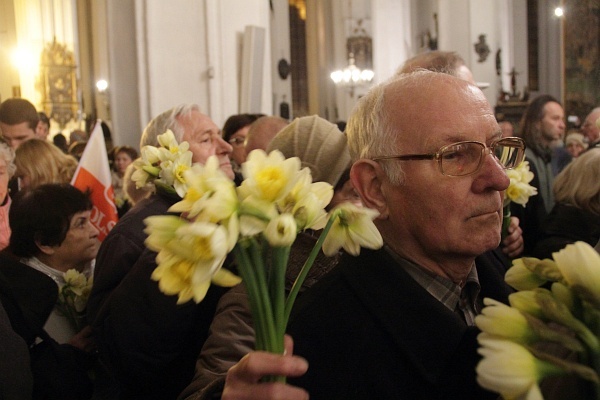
(234, 132)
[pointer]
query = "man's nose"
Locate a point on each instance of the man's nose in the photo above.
(223, 146)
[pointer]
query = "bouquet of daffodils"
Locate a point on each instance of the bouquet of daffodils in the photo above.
(73, 297)
(164, 166)
(544, 332)
(519, 190)
(257, 221)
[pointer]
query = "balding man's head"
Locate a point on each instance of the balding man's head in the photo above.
(262, 131)
(447, 62)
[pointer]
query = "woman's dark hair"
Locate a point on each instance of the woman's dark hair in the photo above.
(532, 135)
(44, 118)
(237, 122)
(44, 214)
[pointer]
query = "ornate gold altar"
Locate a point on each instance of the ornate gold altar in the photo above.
(58, 83)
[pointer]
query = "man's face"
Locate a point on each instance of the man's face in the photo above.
(552, 124)
(42, 130)
(16, 134)
(205, 140)
(433, 216)
(80, 245)
(589, 128)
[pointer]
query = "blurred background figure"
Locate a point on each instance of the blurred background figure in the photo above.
(18, 121)
(43, 127)
(42, 162)
(576, 214)
(123, 156)
(60, 141)
(76, 149)
(590, 129)
(575, 144)
(78, 136)
(234, 132)
(262, 131)
(7, 170)
(542, 125)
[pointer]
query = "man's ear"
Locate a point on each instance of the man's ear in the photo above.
(367, 178)
(48, 250)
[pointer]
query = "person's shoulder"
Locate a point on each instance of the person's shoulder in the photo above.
(353, 278)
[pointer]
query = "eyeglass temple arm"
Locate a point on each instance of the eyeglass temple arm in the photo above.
(408, 157)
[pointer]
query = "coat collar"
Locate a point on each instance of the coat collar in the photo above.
(423, 329)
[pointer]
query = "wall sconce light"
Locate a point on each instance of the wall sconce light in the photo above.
(102, 85)
(559, 12)
(22, 58)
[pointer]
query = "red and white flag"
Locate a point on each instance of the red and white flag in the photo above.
(93, 173)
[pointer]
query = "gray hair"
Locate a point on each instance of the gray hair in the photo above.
(370, 129)
(167, 120)
(8, 155)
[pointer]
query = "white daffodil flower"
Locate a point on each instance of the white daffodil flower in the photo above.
(520, 276)
(170, 149)
(76, 280)
(526, 302)
(352, 229)
(579, 264)
(210, 195)
(269, 177)
(501, 320)
(519, 189)
(188, 262)
(146, 166)
(281, 231)
(510, 369)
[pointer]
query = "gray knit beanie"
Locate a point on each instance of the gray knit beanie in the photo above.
(318, 143)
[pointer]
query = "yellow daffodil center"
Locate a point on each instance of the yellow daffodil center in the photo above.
(183, 270)
(270, 181)
(178, 173)
(203, 248)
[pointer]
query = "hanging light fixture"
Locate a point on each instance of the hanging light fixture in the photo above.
(358, 72)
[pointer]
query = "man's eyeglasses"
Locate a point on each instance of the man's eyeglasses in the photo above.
(466, 158)
(237, 141)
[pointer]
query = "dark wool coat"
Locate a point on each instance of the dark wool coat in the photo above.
(370, 331)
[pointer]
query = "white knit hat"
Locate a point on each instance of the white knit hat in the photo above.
(319, 144)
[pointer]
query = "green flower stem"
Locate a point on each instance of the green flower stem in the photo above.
(264, 299)
(289, 303)
(558, 312)
(278, 269)
(246, 270)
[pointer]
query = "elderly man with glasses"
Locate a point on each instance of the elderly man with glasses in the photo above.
(398, 323)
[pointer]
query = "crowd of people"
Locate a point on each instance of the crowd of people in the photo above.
(393, 323)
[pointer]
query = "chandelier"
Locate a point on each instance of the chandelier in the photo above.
(358, 72)
(352, 75)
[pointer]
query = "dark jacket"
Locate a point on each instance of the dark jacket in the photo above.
(27, 298)
(369, 331)
(565, 225)
(150, 342)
